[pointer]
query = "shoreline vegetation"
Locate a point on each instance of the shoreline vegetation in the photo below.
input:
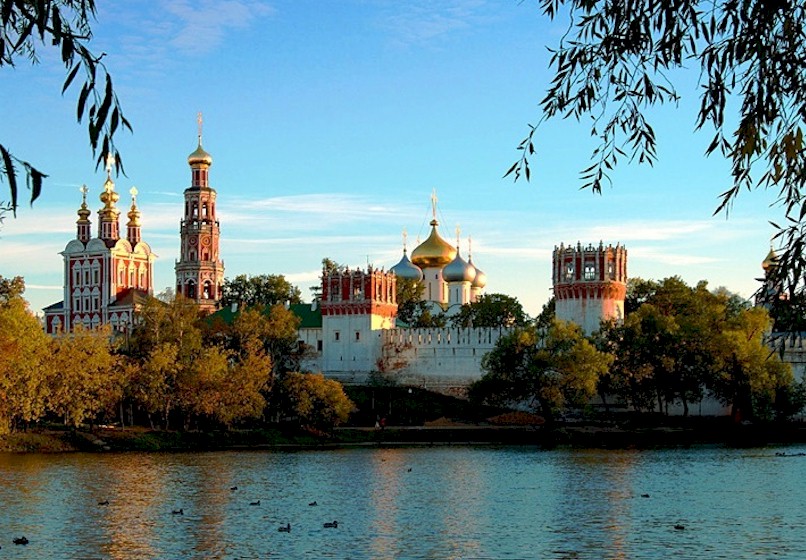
(683, 432)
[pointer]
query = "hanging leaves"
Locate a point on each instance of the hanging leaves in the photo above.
(66, 26)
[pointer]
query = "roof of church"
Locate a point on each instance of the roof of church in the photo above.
(129, 297)
(58, 306)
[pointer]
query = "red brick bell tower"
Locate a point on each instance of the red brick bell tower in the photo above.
(200, 270)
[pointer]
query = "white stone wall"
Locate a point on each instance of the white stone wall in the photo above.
(351, 347)
(436, 357)
(587, 313)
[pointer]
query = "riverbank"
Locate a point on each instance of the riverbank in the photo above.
(588, 435)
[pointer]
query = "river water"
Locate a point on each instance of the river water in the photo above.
(440, 503)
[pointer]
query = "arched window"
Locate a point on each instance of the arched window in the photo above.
(208, 293)
(191, 289)
(195, 210)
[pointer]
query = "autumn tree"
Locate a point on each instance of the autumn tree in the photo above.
(165, 343)
(275, 328)
(65, 25)
(548, 370)
(25, 367)
(259, 291)
(87, 378)
(313, 400)
(617, 60)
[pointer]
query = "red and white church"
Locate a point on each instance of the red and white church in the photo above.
(108, 277)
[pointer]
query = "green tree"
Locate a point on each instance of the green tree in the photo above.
(547, 314)
(616, 60)
(28, 26)
(491, 311)
(25, 366)
(328, 266)
(314, 400)
(259, 291)
(548, 370)
(748, 375)
(87, 379)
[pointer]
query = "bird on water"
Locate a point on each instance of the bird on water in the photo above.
(285, 529)
(333, 525)
(179, 511)
(21, 540)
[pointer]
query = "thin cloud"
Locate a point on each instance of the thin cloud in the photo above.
(424, 22)
(201, 25)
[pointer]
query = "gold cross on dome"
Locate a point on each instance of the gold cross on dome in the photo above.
(110, 163)
(200, 121)
(434, 203)
(133, 192)
(405, 237)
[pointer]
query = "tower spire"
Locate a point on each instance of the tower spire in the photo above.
(83, 224)
(133, 226)
(200, 122)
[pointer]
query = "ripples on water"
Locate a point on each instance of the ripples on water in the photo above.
(441, 503)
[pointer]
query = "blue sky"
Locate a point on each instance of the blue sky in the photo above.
(331, 123)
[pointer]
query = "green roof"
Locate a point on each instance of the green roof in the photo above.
(309, 318)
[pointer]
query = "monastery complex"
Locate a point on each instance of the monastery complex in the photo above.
(351, 332)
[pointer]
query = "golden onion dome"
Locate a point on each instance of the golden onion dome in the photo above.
(406, 269)
(458, 270)
(480, 280)
(434, 252)
(770, 261)
(200, 156)
(109, 197)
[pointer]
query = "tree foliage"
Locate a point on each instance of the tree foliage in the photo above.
(259, 291)
(491, 311)
(87, 378)
(313, 400)
(24, 359)
(413, 310)
(26, 27)
(328, 266)
(616, 60)
(548, 370)
(682, 343)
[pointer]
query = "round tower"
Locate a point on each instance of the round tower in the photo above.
(590, 284)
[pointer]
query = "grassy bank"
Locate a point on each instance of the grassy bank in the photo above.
(587, 435)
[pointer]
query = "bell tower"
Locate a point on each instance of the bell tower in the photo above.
(199, 270)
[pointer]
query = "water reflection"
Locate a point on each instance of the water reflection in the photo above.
(406, 503)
